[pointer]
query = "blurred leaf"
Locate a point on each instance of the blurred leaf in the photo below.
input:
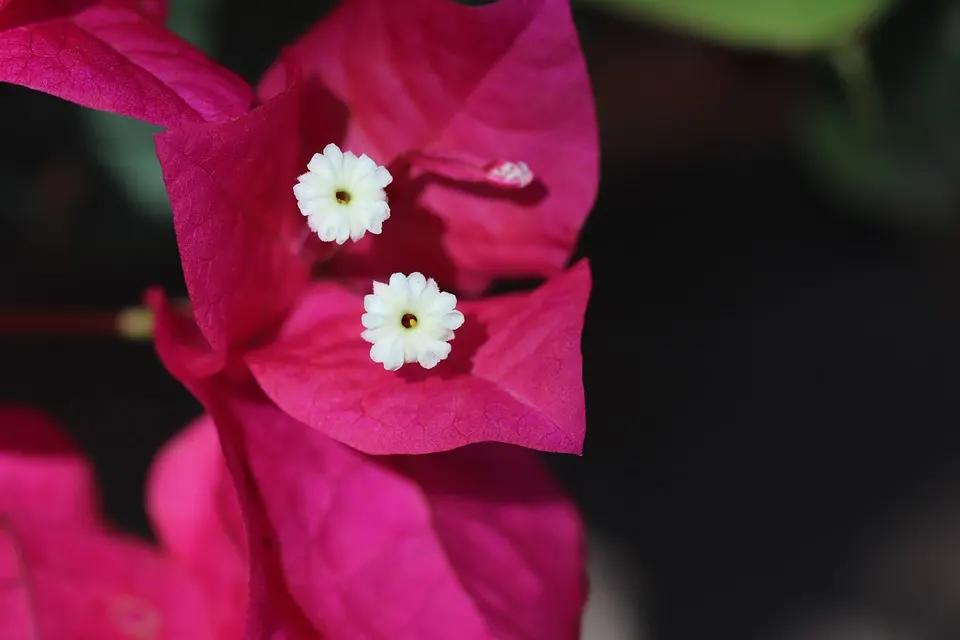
(790, 25)
(124, 146)
(882, 174)
(902, 164)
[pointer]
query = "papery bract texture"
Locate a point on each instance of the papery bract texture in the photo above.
(514, 375)
(432, 82)
(228, 184)
(271, 611)
(111, 57)
(515, 372)
(473, 544)
(194, 510)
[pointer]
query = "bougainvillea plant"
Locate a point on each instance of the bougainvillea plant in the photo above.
(430, 163)
(434, 157)
(374, 405)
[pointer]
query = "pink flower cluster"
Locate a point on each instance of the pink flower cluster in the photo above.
(323, 496)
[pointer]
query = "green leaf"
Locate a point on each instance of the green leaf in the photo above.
(124, 146)
(890, 146)
(788, 25)
(882, 174)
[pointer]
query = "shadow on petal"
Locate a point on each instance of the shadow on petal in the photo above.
(485, 473)
(467, 341)
(412, 238)
(528, 196)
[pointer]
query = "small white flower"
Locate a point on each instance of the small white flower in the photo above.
(342, 196)
(409, 320)
(515, 175)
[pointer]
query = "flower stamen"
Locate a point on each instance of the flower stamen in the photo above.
(343, 197)
(409, 321)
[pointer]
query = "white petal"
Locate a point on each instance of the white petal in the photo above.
(382, 177)
(439, 347)
(388, 352)
(411, 349)
(349, 168)
(428, 359)
(443, 303)
(398, 282)
(373, 320)
(364, 168)
(317, 163)
(417, 284)
(333, 155)
(452, 320)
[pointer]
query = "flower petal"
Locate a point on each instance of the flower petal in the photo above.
(444, 80)
(43, 476)
(111, 57)
(229, 184)
(473, 544)
(193, 507)
(82, 583)
(514, 375)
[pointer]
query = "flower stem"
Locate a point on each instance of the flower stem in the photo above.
(134, 323)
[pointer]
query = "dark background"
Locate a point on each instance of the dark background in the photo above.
(771, 361)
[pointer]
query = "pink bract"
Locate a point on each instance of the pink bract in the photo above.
(227, 183)
(474, 544)
(194, 510)
(88, 584)
(515, 375)
(427, 83)
(43, 476)
(108, 55)
(62, 573)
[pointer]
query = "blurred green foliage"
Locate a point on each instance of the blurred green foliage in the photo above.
(125, 146)
(788, 25)
(890, 144)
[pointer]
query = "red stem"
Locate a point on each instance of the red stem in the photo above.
(61, 323)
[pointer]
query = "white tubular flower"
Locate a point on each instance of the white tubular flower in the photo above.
(342, 196)
(409, 320)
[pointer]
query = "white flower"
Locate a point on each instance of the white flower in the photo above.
(409, 320)
(342, 196)
(509, 174)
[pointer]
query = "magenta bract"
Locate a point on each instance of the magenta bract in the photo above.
(109, 56)
(63, 573)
